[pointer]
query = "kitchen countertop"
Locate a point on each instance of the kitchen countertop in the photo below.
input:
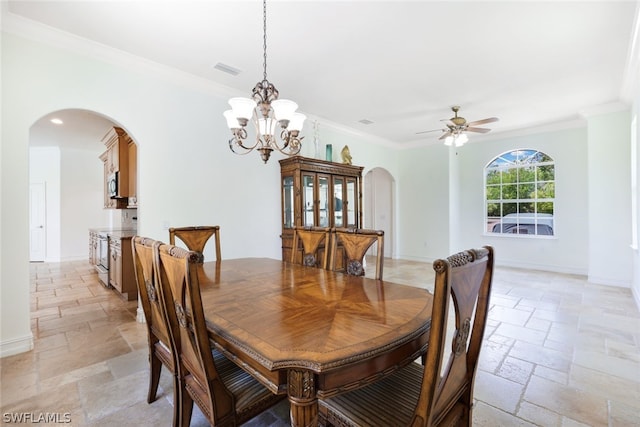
(115, 232)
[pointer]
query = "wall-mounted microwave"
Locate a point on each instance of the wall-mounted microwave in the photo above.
(112, 185)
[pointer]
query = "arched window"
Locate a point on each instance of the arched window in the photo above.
(520, 193)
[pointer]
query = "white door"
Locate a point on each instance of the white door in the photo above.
(37, 221)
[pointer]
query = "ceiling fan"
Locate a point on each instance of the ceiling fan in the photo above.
(457, 126)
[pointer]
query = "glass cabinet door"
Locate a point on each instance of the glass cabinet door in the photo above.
(323, 201)
(287, 201)
(352, 202)
(308, 200)
(338, 196)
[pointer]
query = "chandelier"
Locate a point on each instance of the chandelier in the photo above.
(267, 113)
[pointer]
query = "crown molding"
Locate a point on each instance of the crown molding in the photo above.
(351, 131)
(610, 107)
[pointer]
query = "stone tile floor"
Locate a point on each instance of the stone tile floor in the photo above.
(558, 351)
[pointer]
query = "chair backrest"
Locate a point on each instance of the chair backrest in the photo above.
(466, 279)
(180, 293)
(196, 238)
(311, 238)
(149, 290)
(355, 243)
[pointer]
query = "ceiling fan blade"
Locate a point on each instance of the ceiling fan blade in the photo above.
(444, 135)
(479, 130)
(483, 121)
(433, 130)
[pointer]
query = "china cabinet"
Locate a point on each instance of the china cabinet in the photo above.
(318, 193)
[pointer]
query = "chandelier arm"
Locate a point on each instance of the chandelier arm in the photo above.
(292, 144)
(290, 152)
(237, 142)
(240, 153)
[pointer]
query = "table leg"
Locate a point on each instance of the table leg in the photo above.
(301, 388)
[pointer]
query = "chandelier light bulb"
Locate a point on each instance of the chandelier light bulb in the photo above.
(232, 120)
(283, 109)
(242, 107)
(267, 126)
(296, 122)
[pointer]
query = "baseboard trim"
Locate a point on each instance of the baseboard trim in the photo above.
(16, 345)
(607, 281)
(518, 264)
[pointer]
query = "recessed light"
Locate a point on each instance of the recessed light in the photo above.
(365, 121)
(56, 121)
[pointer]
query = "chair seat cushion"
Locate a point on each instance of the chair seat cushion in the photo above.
(388, 402)
(251, 396)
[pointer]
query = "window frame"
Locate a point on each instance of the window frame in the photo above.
(539, 213)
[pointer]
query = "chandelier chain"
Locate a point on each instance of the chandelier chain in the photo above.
(264, 38)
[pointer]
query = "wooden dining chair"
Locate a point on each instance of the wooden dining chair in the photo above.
(196, 237)
(428, 395)
(311, 239)
(157, 328)
(354, 243)
(226, 394)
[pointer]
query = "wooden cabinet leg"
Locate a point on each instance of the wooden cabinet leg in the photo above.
(301, 388)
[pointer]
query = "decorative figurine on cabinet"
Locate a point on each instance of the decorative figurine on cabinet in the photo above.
(346, 155)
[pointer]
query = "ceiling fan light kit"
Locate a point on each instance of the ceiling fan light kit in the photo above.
(457, 140)
(266, 112)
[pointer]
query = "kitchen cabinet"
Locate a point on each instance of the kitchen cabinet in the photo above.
(119, 169)
(132, 154)
(121, 273)
(109, 203)
(318, 193)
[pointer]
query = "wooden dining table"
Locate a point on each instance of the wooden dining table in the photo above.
(311, 333)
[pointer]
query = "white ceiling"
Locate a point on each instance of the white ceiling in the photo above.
(399, 64)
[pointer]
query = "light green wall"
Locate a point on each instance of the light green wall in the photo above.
(567, 250)
(609, 166)
(423, 203)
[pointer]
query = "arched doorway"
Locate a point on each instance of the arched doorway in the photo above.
(379, 206)
(67, 175)
(67, 183)
(63, 150)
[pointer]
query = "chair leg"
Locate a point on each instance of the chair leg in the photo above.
(186, 406)
(154, 376)
(177, 402)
